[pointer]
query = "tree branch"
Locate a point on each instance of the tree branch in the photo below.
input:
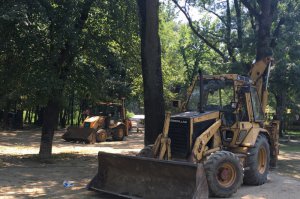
(46, 5)
(274, 4)
(214, 13)
(251, 9)
(183, 10)
(276, 32)
(239, 24)
(230, 48)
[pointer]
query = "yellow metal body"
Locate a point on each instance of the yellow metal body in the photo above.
(100, 126)
(200, 145)
(94, 121)
(195, 135)
(244, 132)
(162, 145)
(256, 74)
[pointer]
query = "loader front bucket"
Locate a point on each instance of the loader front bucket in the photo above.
(140, 177)
(87, 135)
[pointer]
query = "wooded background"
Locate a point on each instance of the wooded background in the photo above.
(59, 56)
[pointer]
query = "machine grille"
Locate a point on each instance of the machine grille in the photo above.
(179, 134)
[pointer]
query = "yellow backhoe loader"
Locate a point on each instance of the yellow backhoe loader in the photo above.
(105, 121)
(219, 141)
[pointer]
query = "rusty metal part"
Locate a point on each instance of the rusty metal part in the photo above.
(140, 177)
(162, 145)
(262, 160)
(226, 174)
(203, 139)
(273, 128)
(101, 135)
(87, 135)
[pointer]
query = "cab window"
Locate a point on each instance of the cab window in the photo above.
(256, 105)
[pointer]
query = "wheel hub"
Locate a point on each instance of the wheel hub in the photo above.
(262, 160)
(226, 175)
(120, 132)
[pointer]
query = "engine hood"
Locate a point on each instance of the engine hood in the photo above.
(186, 127)
(195, 115)
(94, 119)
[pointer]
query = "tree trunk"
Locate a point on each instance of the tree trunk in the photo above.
(264, 19)
(26, 116)
(280, 107)
(230, 46)
(36, 115)
(1, 118)
(61, 65)
(264, 31)
(237, 7)
(49, 125)
(40, 113)
(19, 119)
(5, 114)
(151, 70)
(63, 117)
(72, 109)
(79, 117)
(30, 116)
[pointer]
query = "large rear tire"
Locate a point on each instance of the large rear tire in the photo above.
(224, 174)
(147, 151)
(257, 163)
(101, 135)
(118, 133)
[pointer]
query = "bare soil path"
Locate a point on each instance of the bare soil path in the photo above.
(23, 176)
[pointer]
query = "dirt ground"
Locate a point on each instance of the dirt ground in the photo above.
(23, 176)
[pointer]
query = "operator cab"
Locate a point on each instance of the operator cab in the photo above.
(227, 94)
(108, 109)
(218, 95)
(230, 97)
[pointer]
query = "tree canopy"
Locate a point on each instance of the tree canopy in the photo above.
(59, 55)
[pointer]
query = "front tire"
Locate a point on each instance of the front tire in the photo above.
(257, 163)
(118, 133)
(147, 151)
(224, 174)
(101, 135)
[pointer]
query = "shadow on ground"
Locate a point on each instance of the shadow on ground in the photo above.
(22, 175)
(27, 177)
(28, 142)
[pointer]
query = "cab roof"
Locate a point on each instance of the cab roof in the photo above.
(234, 77)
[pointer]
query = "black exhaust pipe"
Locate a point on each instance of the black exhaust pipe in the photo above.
(200, 107)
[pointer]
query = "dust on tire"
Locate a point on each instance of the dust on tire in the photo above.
(215, 167)
(255, 174)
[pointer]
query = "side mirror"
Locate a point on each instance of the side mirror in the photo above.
(176, 103)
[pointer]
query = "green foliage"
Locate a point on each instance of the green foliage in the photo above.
(285, 75)
(102, 56)
(172, 65)
(129, 114)
(289, 147)
(47, 48)
(224, 38)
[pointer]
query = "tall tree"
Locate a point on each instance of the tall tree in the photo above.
(285, 43)
(218, 36)
(61, 60)
(151, 69)
(263, 13)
